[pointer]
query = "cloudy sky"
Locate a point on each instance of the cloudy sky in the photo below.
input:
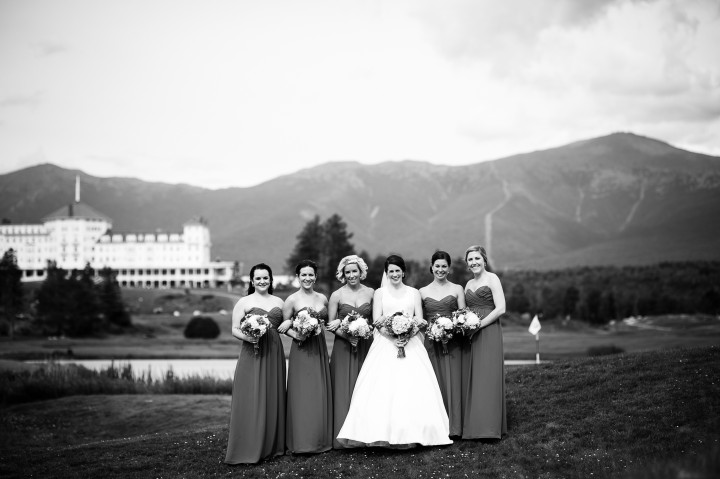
(223, 93)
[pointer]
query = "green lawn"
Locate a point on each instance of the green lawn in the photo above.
(653, 414)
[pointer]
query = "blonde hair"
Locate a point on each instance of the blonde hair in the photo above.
(481, 250)
(352, 259)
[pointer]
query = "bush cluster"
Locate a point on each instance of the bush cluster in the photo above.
(202, 327)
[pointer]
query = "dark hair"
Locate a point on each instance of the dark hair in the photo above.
(305, 264)
(481, 250)
(396, 260)
(251, 288)
(440, 255)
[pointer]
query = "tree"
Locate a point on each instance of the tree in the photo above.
(325, 243)
(518, 301)
(11, 292)
(309, 244)
(111, 301)
(335, 246)
(68, 303)
(572, 296)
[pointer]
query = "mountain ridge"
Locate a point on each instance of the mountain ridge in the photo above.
(617, 199)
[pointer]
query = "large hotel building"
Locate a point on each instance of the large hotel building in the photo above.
(76, 235)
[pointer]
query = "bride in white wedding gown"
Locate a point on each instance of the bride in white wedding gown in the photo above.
(396, 401)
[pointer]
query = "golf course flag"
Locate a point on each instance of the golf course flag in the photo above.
(535, 330)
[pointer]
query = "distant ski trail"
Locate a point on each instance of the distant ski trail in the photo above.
(578, 210)
(489, 217)
(635, 206)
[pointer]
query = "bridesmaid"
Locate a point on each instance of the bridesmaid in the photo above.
(345, 363)
(309, 391)
(443, 297)
(484, 413)
(257, 412)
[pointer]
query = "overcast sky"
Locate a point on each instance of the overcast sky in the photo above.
(232, 93)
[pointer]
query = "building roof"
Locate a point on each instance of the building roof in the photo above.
(76, 210)
(198, 220)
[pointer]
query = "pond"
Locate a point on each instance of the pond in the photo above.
(218, 368)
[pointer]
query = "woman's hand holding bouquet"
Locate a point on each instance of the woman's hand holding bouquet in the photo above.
(402, 327)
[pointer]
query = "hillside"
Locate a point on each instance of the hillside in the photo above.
(648, 415)
(619, 199)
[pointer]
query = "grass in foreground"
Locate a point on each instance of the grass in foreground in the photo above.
(642, 415)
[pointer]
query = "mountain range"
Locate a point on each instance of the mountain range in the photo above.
(620, 199)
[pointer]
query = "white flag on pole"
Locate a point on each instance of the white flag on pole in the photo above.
(534, 326)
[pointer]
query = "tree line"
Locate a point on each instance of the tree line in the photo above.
(72, 303)
(595, 294)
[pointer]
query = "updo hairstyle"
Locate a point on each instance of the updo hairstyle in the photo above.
(396, 260)
(304, 264)
(440, 255)
(351, 259)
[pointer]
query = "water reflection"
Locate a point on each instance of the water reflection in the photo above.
(218, 368)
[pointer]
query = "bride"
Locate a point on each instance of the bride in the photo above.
(396, 401)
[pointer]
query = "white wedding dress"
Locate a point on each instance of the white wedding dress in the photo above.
(396, 401)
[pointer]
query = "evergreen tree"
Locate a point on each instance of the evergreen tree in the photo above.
(518, 301)
(309, 244)
(68, 303)
(572, 296)
(111, 300)
(53, 300)
(335, 246)
(11, 292)
(325, 243)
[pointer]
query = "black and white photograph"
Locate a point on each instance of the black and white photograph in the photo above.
(360, 239)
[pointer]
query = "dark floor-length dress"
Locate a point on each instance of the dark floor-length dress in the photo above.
(484, 414)
(309, 396)
(448, 367)
(257, 411)
(345, 366)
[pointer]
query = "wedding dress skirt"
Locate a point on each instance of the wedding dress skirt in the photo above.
(396, 401)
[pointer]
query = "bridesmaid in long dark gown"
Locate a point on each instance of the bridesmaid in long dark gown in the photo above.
(443, 297)
(484, 414)
(309, 390)
(348, 353)
(257, 412)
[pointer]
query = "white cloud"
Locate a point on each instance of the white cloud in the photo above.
(237, 92)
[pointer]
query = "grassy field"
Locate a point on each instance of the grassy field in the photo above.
(642, 415)
(160, 335)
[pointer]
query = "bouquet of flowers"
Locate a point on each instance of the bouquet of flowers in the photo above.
(356, 326)
(465, 321)
(255, 325)
(307, 323)
(441, 329)
(402, 326)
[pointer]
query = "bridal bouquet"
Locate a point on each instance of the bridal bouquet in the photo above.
(401, 326)
(307, 323)
(465, 321)
(441, 329)
(255, 325)
(356, 326)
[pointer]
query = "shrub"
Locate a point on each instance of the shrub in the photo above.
(604, 350)
(202, 327)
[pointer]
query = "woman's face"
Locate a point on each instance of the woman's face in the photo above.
(261, 280)
(307, 277)
(394, 274)
(352, 274)
(440, 269)
(475, 262)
